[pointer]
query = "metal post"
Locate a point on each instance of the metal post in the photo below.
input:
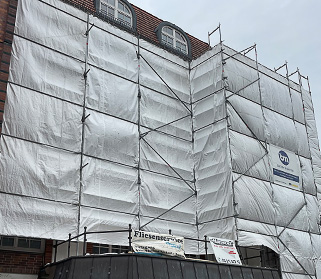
(69, 245)
(130, 238)
(84, 248)
(56, 247)
(205, 238)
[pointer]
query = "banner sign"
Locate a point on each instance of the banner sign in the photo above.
(158, 244)
(225, 251)
(285, 167)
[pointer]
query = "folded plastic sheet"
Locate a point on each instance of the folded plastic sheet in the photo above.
(254, 199)
(242, 79)
(246, 117)
(246, 238)
(206, 75)
(280, 130)
(312, 136)
(111, 94)
(209, 110)
(270, 89)
(297, 104)
(164, 76)
(37, 171)
(112, 53)
(287, 209)
(96, 219)
(40, 21)
(110, 138)
(42, 69)
(299, 243)
(167, 155)
(47, 120)
(249, 157)
(38, 217)
(213, 173)
(159, 194)
(165, 114)
(110, 186)
(307, 176)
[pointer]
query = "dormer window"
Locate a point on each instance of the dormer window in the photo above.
(174, 38)
(117, 10)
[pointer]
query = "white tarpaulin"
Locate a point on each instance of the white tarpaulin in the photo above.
(143, 137)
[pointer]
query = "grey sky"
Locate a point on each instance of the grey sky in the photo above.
(284, 30)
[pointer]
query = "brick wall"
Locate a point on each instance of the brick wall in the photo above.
(8, 10)
(20, 262)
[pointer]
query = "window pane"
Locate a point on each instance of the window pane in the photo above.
(103, 250)
(103, 8)
(95, 250)
(121, 6)
(111, 12)
(127, 10)
(164, 38)
(111, 2)
(7, 241)
(170, 31)
(170, 41)
(179, 36)
(23, 242)
(35, 243)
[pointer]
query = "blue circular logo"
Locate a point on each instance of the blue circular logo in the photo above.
(284, 158)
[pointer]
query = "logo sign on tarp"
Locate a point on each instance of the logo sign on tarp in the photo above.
(285, 167)
(225, 251)
(158, 244)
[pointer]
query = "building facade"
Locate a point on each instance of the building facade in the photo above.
(111, 116)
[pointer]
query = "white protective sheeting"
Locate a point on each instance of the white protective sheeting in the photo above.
(110, 186)
(158, 110)
(41, 22)
(47, 120)
(38, 171)
(111, 138)
(112, 95)
(254, 200)
(246, 117)
(249, 156)
(41, 69)
(164, 143)
(38, 217)
(296, 247)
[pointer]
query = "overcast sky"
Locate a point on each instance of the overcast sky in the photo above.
(284, 30)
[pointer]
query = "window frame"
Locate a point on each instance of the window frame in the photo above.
(161, 32)
(15, 246)
(117, 11)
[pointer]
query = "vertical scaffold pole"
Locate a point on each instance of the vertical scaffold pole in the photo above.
(85, 240)
(130, 238)
(69, 241)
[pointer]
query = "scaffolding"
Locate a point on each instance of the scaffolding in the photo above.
(124, 132)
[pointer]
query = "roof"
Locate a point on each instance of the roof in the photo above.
(146, 25)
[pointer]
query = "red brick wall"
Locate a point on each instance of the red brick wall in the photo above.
(48, 251)
(20, 262)
(8, 10)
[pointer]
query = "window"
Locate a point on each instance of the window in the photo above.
(117, 10)
(105, 248)
(174, 38)
(21, 244)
